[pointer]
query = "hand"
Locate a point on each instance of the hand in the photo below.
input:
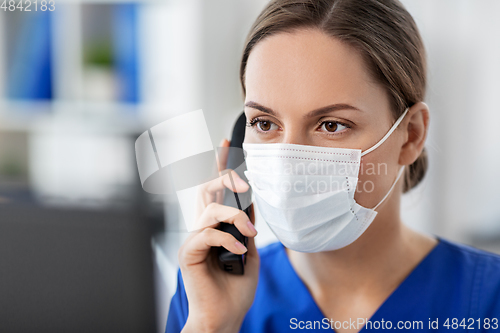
(218, 301)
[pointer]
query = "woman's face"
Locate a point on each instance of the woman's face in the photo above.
(308, 88)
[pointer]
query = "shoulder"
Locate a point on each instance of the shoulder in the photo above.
(470, 257)
(480, 270)
(468, 249)
(178, 308)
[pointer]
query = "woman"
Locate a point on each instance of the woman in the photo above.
(325, 77)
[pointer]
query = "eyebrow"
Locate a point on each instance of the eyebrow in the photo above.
(313, 113)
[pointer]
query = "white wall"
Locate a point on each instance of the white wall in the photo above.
(464, 77)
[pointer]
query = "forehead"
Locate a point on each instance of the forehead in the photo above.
(306, 69)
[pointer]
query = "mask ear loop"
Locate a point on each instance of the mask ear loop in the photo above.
(390, 190)
(381, 141)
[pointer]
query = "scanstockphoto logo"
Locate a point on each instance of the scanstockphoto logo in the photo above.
(308, 184)
(319, 168)
(293, 178)
(167, 153)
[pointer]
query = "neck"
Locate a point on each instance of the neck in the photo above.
(380, 258)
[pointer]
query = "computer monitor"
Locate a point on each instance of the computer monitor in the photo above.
(75, 270)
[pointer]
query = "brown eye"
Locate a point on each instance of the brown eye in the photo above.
(330, 126)
(264, 125)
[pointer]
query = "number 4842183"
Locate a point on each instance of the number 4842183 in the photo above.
(28, 5)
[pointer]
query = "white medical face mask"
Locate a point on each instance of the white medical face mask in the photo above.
(306, 193)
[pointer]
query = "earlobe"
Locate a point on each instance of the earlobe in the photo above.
(416, 128)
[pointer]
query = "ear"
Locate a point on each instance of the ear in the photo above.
(415, 127)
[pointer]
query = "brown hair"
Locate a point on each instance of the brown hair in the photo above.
(381, 30)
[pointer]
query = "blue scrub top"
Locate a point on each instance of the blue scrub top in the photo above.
(455, 288)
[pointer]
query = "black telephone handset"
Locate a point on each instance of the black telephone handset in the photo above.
(228, 261)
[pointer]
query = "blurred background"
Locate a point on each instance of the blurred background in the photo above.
(80, 83)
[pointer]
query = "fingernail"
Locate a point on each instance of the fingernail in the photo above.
(251, 227)
(240, 246)
(241, 181)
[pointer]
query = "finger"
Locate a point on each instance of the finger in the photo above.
(213, 191)
(219, 197)
(229, 180)
(215, 213)
(224, 152)
(197, 249)
(252, 249)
